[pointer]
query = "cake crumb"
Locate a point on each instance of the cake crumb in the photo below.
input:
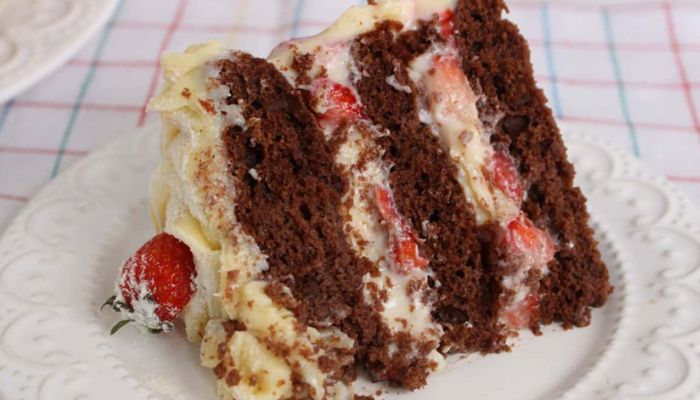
(254, 174)
(208, 106)
(391, 81)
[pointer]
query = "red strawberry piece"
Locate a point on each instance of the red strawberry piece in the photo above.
(407, 256)
(450, 88)
(505, 176)
(157, 280)
(447, 23)
(335, 103)
(526, 239)
(520, 314)
(403, 238)
(385, 203)
(448, 66)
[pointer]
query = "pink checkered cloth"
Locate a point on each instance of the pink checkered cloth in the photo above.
(628, 73)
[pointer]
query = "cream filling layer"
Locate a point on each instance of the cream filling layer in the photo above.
(454, 119)
(403, 309)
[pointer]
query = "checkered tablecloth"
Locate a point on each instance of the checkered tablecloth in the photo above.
(626, 72)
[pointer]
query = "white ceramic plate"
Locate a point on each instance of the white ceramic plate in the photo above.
(59, 258)
(37, 36)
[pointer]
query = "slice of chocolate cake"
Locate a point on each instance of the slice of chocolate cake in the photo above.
(380, 195)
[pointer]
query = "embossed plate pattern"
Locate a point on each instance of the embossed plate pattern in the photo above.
(37, 36)
(58, 262)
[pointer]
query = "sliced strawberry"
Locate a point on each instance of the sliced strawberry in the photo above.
(156, 283)
(520, 314)
(385, 203)
(447, 23)
(505, 176)
(451, 103)
(532, 249)
(335, 103)
(449, 90)
(449, 70)
(406, 253)
(404, 239)
(526, 239)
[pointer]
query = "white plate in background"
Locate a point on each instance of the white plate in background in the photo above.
(38, 36)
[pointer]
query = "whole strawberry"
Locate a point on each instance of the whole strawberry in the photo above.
(155, 284)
